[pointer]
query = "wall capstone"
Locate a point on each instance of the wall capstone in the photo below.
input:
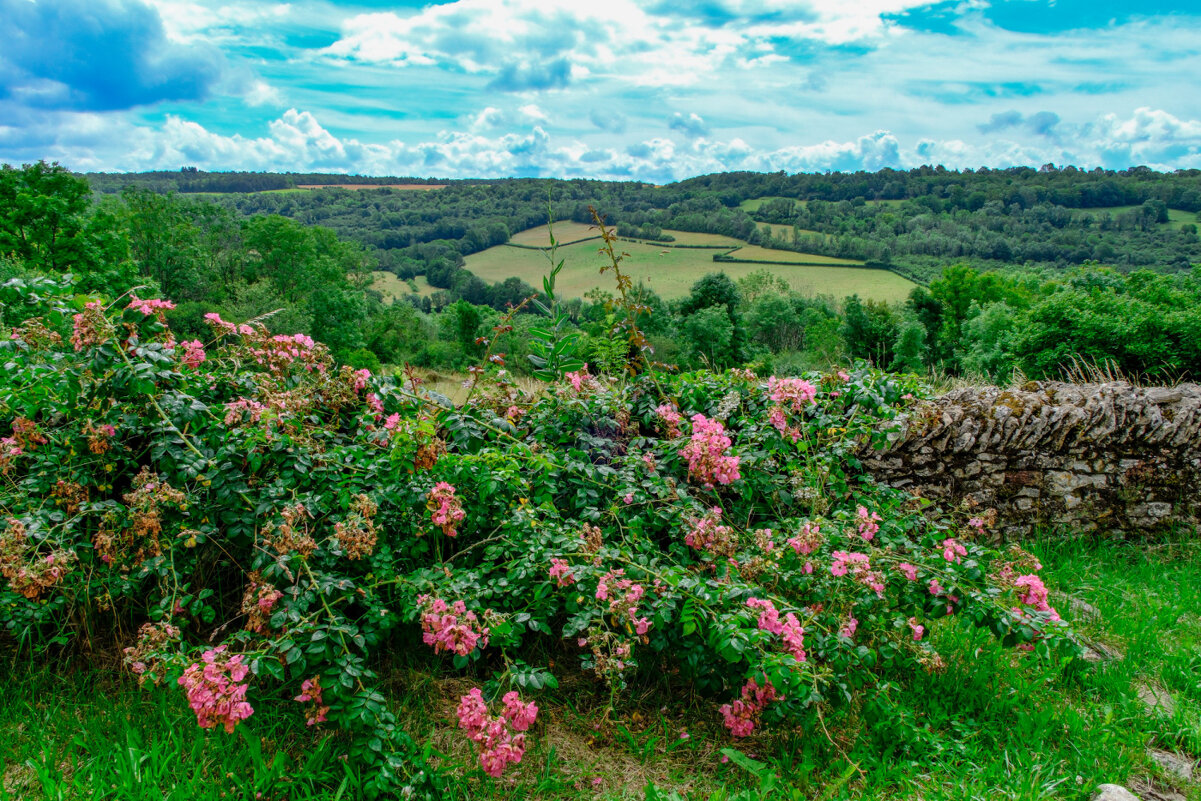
(1108, 458)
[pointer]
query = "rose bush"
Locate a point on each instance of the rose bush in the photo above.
(251, 522)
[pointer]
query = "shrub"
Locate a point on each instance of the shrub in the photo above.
(271, 524)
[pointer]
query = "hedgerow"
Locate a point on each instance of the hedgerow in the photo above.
(254, 525)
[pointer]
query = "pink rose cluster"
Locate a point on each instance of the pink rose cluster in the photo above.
(788, 629)
(193, 353)
(151, 307)
(742, 716)
(494, 735)
(580, 380)
(445, 509)
(561, 573)
(450, 627)
(706, 453)
(953, 551)
(235, 408)
(310, 692)
(868, 523)
(859, 566)
(216, 689)
(793, 392)
(708, 534)
(1034, 593)
(623, 595)
(671, 419)
(807, 539)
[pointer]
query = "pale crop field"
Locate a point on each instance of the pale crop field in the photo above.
(757, 253)
(671, 272)
(394, 288)
(565, 231)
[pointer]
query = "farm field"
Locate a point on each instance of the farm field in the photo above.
(758, 253)
(414, 187)
(784, 232)
(671, 272)
(565, 231)
(394, 288)
(693, 239)
(1176, 217)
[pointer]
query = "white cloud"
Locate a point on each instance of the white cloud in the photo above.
(298, 141)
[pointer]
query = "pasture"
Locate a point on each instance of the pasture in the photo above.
(394, 288)
(671, 272)
(565, 231)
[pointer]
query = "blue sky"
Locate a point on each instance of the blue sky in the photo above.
(649, 89)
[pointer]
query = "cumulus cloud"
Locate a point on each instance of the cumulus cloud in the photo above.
(610, 121)
(97, 55)
(1041, 123)
(692, 126)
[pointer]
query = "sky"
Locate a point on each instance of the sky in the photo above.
(652, 90)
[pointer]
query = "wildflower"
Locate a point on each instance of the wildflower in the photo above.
(90, 326)
(580, 380)
(560, 571)
(193, 353)
(796, 392)
(671, 418)
(216, 690)
(789, 628)
(848, 629)
(451, 628)
(1035, 594)
(917, 629)
(952, 551)
(445, 509)
(807, 540)
(935, 588)
(708, 535)
(859, 566)
(498, 745)
(868, 523)
(310, 690)
(520, 716)
(706, 453)
(742, 715)
(236, 410)
(908, 570)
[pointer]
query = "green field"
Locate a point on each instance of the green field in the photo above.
(1176, 217)
(692, 238)
(754, 203)
(671, 272)
(394, 288)
(757, 253)
(566, 231)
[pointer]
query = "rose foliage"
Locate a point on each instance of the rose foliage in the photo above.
(254, 525)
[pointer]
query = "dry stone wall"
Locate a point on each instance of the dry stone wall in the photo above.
(1106, 458)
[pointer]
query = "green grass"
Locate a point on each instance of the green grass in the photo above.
(565, 231)
(754, 203)
(1176, 217)
(672, 271)
(994, 724)
(393, 287)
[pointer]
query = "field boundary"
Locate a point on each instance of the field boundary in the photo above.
(557, 244)
(653, 243)
(725, 258)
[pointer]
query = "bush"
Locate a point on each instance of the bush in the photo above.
(270, 526)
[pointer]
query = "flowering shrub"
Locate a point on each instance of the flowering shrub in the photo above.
(303, 517)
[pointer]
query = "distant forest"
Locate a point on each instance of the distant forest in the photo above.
(915, 222)
(1021, 272)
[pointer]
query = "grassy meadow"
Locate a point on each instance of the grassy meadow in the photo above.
(994, 724)
(393, 287)
(671, 271)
